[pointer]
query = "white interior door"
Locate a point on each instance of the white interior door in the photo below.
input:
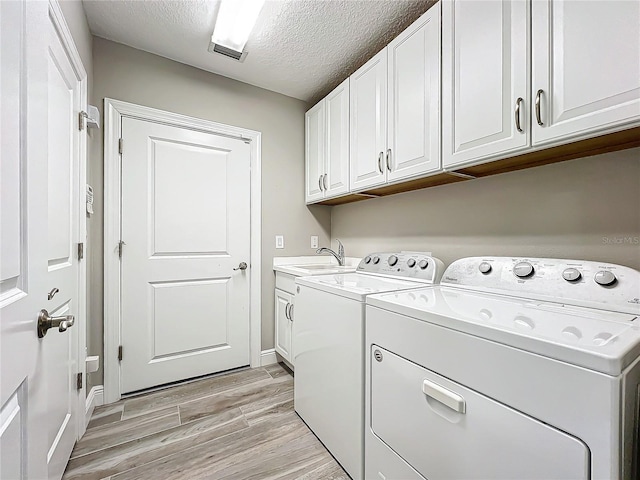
(485, 70)
(60, 348)
(586, 66)
(186, 224)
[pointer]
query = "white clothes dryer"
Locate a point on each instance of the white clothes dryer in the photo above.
(511, 368)
(328, 331)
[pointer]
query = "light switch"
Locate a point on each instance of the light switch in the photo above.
(314, 241)
(279, 241)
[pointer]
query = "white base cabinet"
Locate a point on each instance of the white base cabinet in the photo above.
(284, 324)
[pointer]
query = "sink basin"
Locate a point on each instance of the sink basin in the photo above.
(323, 267)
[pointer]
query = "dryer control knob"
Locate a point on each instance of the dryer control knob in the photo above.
(484, 267)
(523, 269)
(605, 278)
(423, 264)
(376, 260)
(411, 262)
(392, 260)
(571, 274)
(367, 259)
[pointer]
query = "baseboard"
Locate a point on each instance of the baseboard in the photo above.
(94, 399)
(268, 357)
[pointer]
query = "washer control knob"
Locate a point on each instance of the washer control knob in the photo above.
(605, 278)
(571, 274)
(484, 267)
(367, 259)
(423, 264)
(376, 260)
(393, 260)
(523, 269)
(411, 262)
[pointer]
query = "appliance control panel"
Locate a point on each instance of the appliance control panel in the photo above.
(573, 282)
(411, 265)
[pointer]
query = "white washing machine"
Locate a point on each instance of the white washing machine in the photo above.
(329, 346)
(510, 369)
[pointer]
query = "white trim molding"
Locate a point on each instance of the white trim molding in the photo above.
(94, 399)
(114, 111)
(268, 357)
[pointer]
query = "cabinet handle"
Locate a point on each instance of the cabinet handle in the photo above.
(291, 312)
(517, 114)
(320, 182)
(324, 181)
(389, 159)
(380, 158)
(538, 117)
(286, 311)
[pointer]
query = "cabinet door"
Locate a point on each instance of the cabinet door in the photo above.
(314, 125)
(414, 99)
(485, 70)
(337, 136)
(368, 132)
(283, 324)
(586, 66)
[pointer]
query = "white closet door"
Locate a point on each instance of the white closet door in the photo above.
(337, 145)
(368, 101)
(314, 127)
(586, 66)
(485, 70)
(414, 99)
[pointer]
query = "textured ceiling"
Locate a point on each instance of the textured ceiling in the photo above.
(300, 48)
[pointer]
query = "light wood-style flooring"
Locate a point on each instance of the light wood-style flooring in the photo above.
(240, 426)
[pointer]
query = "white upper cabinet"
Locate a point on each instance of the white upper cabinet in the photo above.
(368, 99)
(586, 67)
(327, 146)
(314, 126)
(337, 153)
(395, 108)
(413, 107)
(485, 78)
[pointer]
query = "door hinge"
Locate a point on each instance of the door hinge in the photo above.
(120, 353)
(79, 381)
(81, 121)
(80, 251)
(120, 142)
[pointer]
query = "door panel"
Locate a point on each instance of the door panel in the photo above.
(485, 62)
(283, 325)
(586, 61)
(61, 348)
(185, 224)
(315, 152)
(368, 129)
(337, 139)
(414, 98)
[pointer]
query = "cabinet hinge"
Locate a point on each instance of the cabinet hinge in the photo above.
(80, 251)
(79, 381)
(120, 142)
(120, 353)
(81, 121)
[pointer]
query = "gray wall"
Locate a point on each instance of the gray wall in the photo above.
(130, 75)
(582, 209)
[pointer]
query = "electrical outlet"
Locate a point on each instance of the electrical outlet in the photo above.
(314, 241)
(279, 241)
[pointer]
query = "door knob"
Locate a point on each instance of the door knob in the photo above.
(242, 266)
(45, 322)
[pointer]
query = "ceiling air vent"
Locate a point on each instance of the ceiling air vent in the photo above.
(227, 52)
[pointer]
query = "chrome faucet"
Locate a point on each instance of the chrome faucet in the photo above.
(339, 256)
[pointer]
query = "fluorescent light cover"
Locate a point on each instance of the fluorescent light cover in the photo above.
(235, 20)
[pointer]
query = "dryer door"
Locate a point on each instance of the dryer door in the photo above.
(447, 431)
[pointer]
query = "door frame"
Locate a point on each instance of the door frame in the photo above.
(114, 112)
(58, 21)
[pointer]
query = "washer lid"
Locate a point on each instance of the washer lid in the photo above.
(596, 339)
(356, 285)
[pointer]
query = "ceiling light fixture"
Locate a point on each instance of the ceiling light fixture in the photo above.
(236, 19)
